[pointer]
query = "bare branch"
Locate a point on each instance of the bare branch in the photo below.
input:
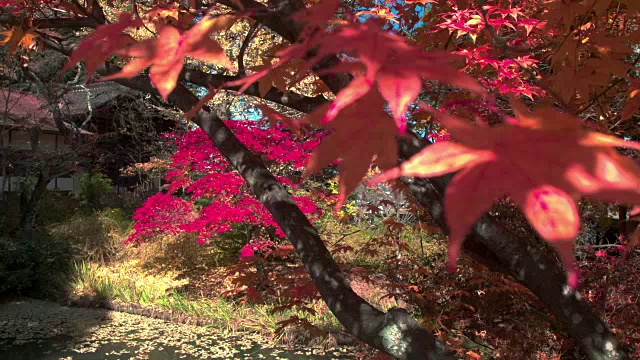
(54, 23)
(255, 27)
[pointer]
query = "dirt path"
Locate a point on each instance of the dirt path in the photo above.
(34, 329)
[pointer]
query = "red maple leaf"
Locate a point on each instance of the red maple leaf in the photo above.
(165, 54)
(543, 162)
(351, 141)
(102, 43)
(396, 67)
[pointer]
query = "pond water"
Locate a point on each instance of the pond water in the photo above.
(33, 330)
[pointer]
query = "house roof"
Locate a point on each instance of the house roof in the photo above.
(80, 100)
(25, 110)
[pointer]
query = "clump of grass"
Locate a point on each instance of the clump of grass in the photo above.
(97, 235)
(124, 282)
(130, 284)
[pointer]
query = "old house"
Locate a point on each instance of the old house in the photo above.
(118, 123)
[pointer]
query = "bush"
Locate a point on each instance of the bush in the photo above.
(92, 189)
(34, 267)
(97, 236)
(168, 252)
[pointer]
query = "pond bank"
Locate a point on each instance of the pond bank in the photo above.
(35, 329)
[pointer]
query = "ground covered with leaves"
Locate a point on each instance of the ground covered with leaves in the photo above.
(34, 329)
(478, 313)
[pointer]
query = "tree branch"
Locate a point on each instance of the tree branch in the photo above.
(255, 27)
(527, 261)
(55, 23)
(537, 269)
(395, 332)
(295, 101)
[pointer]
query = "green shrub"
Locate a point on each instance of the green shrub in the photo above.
(56, 207)
(33, 267)
(92, 189)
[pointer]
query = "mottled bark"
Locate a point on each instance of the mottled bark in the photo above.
(394, 332)
(531, 264)
(490, 243)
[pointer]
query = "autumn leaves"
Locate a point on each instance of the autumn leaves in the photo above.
(543, 160)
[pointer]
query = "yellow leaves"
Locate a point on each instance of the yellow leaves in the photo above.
(16, 37)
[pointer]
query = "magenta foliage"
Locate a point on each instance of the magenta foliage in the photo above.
(199, 172)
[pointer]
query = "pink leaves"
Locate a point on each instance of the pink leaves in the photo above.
(218, 197)
(161, 213)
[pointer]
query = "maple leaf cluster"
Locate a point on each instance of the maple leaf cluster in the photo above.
(201, 173)
(544, 161)
(574, 54)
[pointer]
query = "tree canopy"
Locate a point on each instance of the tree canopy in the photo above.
(532, 101)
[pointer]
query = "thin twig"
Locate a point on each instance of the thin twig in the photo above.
(255, 27)
(613, 84)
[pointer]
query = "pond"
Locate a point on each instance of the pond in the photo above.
(33, 329)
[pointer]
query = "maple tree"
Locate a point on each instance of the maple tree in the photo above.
(199, 172)
(383, 62)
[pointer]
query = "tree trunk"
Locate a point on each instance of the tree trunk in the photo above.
(531, 264)
(541, 274)
(29, 205)
(395, 332)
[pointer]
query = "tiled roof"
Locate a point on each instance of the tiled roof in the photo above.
(77, 101)
(25, 110)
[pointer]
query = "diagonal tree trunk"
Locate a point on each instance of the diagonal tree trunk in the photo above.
(490, 243)
(535, 267)
(395, 332)
(531, 264)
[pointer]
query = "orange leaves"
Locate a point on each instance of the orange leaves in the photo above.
(633, 100)
(544, 162)
(165, 54)
(103, 41)
(16, 37)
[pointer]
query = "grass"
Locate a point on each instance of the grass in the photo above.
(128, 283)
